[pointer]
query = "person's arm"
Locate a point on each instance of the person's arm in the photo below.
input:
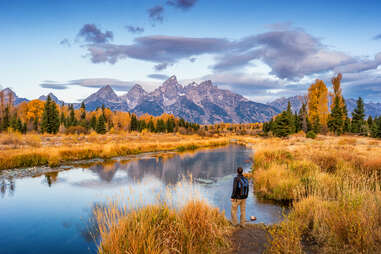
(234, 194)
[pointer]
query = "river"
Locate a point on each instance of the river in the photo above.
(51, 212)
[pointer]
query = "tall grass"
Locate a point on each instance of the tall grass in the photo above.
(194, 228)
(54, 150)
(335, 185)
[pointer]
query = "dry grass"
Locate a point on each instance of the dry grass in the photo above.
(194, 228)
(335, 185)
(36, 150)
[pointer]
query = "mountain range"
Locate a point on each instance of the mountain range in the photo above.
(202, 103)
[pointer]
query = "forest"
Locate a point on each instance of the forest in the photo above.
(324, 112)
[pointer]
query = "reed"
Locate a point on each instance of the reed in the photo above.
(194, 228)
(334, 184)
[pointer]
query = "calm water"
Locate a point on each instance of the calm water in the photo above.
(51, 213)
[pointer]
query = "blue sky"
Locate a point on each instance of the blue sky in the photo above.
(261, 49)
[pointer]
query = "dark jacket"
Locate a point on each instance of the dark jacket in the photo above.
(236, 194)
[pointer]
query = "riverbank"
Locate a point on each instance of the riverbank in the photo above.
(17, 151)
(334, 184)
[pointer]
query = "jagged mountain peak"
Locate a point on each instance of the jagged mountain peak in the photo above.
(137, 87)
(105, 93)
(16, 100)
(172, 83)
(53, 97)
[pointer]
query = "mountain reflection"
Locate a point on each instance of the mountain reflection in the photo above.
(170, 168)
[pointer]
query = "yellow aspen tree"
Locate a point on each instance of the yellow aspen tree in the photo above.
(318, 103)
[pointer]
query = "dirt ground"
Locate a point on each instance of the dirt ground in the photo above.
(252, 239)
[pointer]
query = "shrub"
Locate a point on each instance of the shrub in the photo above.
(76, 130)
(311, 134)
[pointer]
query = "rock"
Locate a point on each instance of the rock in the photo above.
(253, 218)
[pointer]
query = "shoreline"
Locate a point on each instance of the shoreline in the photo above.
(15, 173)
(101, 147)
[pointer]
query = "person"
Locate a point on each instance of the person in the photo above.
(238, 197)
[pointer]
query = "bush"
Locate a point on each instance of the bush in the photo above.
(76, 130)
(311, 134)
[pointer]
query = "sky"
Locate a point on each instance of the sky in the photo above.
(260, 49)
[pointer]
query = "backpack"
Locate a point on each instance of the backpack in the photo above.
(243, 185)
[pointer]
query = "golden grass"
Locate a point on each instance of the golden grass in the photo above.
(194, 228)
(36, 150)
(335, 183)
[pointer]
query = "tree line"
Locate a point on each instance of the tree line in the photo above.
(314, 116)
(47, 117)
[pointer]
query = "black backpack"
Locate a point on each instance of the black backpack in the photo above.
(243, 185)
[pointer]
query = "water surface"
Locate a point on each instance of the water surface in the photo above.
(50, 213)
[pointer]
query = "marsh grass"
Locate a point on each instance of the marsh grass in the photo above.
(335, 187)
(33, 150)
(162, 227)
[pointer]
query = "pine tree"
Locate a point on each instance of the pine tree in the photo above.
(54, 118)
(134, 123)
(282, 126)
(151, 126)
(101, 125)
(290, 117)
(358, 116)
(370, 121)
(50, 120)
(160, 126)
(336, 118)
(72, 121)
(93, 122)
(5, 122)
(45, 127)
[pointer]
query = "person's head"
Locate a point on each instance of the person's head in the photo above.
(239, 171)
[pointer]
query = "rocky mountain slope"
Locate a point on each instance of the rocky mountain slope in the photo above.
(202, 103)
(16, 100)
(53, 97)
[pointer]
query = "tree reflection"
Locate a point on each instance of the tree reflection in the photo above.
(7, 185)
(51, 177)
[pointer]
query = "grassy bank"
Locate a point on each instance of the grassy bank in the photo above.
(194, 228)
(334, 184)
(37, 150)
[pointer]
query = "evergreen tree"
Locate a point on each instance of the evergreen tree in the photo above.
(134, 123)
(370, 121)
(282, 125)
(54, 120)
(290, 117)
(297, 123)
(358, 116)
(72, 121)
(303, 118)
(93, 122)
(83, 111)
(50, 120)
(45, 127)
(160, 126)
(6, 120)
(170, 125)
(101, 125)
(151, 126)
(336, 118)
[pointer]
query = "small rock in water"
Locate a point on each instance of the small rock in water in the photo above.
(253, 218)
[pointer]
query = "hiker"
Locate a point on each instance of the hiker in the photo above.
(239, 195)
